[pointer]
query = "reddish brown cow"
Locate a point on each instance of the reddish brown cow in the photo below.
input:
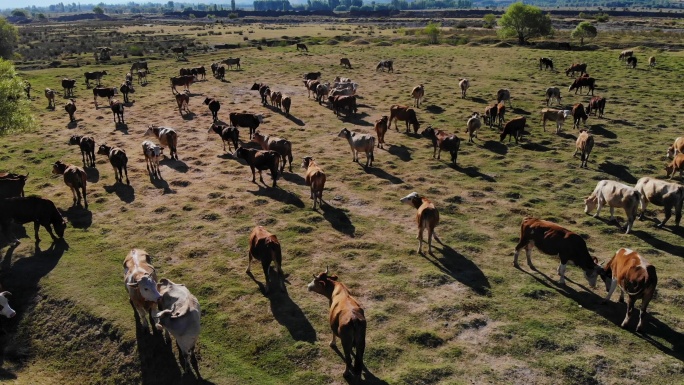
(677, 164)
(427, 217)
(581, 82)
(341, 102)
(514, 128)
(184, 81)
(315, 178)
(576, 67)
(579, 113)
(264, 247)
(597, 103)
(260, 160)
(443, 141)
(404, 113)
(380, 129)
(74, 178)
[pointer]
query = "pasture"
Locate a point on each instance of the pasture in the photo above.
(462, 315)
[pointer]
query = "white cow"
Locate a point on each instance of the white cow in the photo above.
(614, 194)
(140, 279)
(553, 93)
(661, 193)
(5, 308)
(550, 114)
(464, 84)
(152, 154)
(359, 142)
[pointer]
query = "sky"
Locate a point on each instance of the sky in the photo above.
(5, 4)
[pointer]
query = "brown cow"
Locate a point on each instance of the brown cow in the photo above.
(417, 93)
(552, 239)
(490, 114)
(652, 61)
(676, 148)
(579, 113)
(677, 164)
(347, 320)
(403, 113)
(427, 217)
(260, 160)
(341, 102)
(279, 145)
(167, 136)
(576, 67)
(514, 128)
(315, 178)
(183, 101)
(264, 247)
(70, 108)
(442, 141)
(117, 110)
(184, 81)
(584, 144)
(581, 82)
(286, 102)
(635, 276)
(380, 129)
(596, 104)
(345, 62)
(74, 178)
(140, 279)
(500, 113)
(227, 133)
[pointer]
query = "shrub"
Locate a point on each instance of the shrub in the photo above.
(135, 50)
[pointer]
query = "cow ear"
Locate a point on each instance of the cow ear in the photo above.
(132, 284)
(333, 277)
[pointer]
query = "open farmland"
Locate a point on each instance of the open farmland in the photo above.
(462, 315)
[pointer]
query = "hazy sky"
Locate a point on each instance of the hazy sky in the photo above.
(44, 3)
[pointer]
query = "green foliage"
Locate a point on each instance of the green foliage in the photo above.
(135, 50)
(19, 13)
(8, 38)
(584, 30)
(524, 21)
(98, 10)
(233, 15)
(432, 31)
(340, 8)
(602, 18)
(15, 109)
(490, 20)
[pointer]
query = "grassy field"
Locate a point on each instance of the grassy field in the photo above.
(460, 316)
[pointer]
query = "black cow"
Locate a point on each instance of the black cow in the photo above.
(221, 72)
(12, 185)
(214, 107)
(96, 75)
(260, 160)
(31, 209)
(87, 146)
(385, 64)
(68, 85)
(125, 89)
(251, 121)
(312, 76)
(118, 160)
(302, 46)
(227, 133)
(104, 92)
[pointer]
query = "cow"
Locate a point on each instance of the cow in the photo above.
(104, 92)
(264, 247)
(129, 78)
(403, 113)
(260, 160)
(473, 126)
(576, 67)
(490, 113)
(139, 66)
(5, 309)
(167, 137)
(68, 86)
(635, 276)
(152, 153)
(312, 76)
(380, 129)
(140, 280)
(230, 62)
(553, 93)
(315, 179)
(264, 91)
(321, 91)
(214, 66)
(359, 142)
(87, 146)
(221, 73)
(184, 81)
(546, 62)
(311, 86)
(70, 108)
(179, 51)
(286, 103)
(118, 160)
(442, 141)
(596, 104)
(27, 89)
(347, 320)
(626, 54)
(464, 84)
(385, 64)
(276, 99)
(343, 102)
(345, 62)
(340, 80)
(125, 89)
(582, 82)
(50, 96)
(427, 217)
(347, 90)
(42, 212)
(180, 315)
(503, 95)
(676, 148)
(652, 61)
(552, 239)
(579, 113)
(96, 75)
(500, 113)
(227, 133)
(514, 128)
(185, 72)
(614, 194)
(197, 71)
(677, 164)
(632, 62)
(661, 193)
(250, 121)
(214, 106)
(417, 93)
(550, 114)
(12, 185)
(183, 101)
(584, 144)
(117, 110)
(142, 77)
(279, 145)
(302, 46)
(75, 178)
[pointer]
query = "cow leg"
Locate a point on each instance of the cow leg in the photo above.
(36, 227)
(193, 362)
(630, 309)
(613, 285)
(347, 348)
(439, 153)
(261, 177)
(643, 203)
(266, 264)
(561, 272)
(599, 206)
(668, 214)
(612, 211)
(420, 239)
(429, 241)
(85, 199)
(125, 168)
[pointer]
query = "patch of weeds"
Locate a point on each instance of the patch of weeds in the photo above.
(422, 376)
(434, 280)
(425, 338)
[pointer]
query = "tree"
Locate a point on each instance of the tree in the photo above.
(98, 10)
(8, 39)
(19, 13)
(584, 30)
(524, 21)
(15, 110)
(432, 32)
(490, 20)
(232, 5)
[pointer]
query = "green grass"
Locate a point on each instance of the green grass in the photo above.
(463, 315)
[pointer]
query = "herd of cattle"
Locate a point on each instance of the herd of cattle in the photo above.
(174, 309)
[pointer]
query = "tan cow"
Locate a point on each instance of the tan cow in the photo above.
(464, 84)
(140, 279)
(315, 178)
(661, 193)
(635, 276)
(584, 144)
(75, 178)
(347, 320)
(381, 126)
(551, 114)
(417, 93)
(427, 217)
(473, 126)
(264, 247)
(677, 164)
(676, 148)
(614, 194)
(652, 61)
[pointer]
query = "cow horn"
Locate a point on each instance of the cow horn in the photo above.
(5, 294)
(326, 269)
(315, 276)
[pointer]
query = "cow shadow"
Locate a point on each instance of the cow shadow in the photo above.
(615, 312)
(434, 109)
(358, 119)
(125, 192)
(5, 374)
(600, 129)
(78, 217)
(368, 378)
(74, 124)
(279, 195)
(473, 172)
(160, 183)
(295, 120)
(495, 147)
(623, 122)
(459, 268)
(158, 363)
(294, 178)
(659, 243)
(400, 151)
(289, 314)
(175, 164)
(567, 136)
(92, 174)
(537, 147)
(520, 111)
(188, 115)
(123, 127)
(338, 219)
(380, 173)
(617, 170)
(479, 100)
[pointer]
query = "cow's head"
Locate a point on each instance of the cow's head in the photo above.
(669, 169)
(590, 203)
(322, 283)
(75, 139)
(258, 137)
(428, 132)
(58, 167)
(147, 288)
(5, 308)
(592, 274)
(306, 161)
(413, 199)
(344, 133)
